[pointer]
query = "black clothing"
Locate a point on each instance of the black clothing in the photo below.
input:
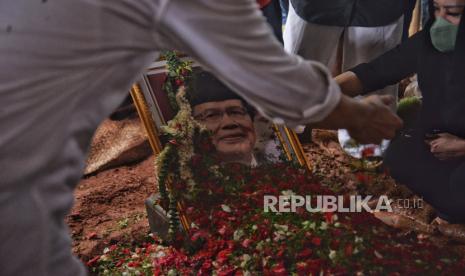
(409, 6)
(205, 87)
(440, 183)
(273, 15)
(344, 13)
(440, 78)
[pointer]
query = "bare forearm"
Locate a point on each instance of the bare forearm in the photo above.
(347, 114)
(350, 84)
(368, 121)
(283, 87)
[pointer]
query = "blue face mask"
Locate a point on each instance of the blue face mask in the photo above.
(443, 35)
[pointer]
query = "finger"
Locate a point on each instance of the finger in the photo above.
(355, 135)
(435, 143)
(393, 120)
(369, 140)
(386, 129)
(399, 122)
(387, 132)
(375, 138)
(378, 133)
(390, 135)
(440, 151)
(363, 137)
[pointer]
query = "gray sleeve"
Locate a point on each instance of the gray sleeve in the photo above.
(231, 38)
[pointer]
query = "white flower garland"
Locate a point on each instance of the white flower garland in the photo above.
(182, 127)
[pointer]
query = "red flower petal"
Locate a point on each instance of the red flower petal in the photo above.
(246, 243)
(305, 253)
(316, 241)
(93, 261)
(279, 270)
(92, 236)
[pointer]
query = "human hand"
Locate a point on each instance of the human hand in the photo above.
(378, 122)
(447, 146)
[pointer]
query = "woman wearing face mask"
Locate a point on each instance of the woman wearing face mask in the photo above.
(430, 160)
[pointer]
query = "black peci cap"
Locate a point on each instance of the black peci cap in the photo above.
(205, 87)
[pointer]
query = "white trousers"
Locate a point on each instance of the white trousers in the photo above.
(360, 44)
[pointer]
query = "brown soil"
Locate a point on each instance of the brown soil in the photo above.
(109, 207)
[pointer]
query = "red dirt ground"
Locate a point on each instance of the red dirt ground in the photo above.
(109, 207)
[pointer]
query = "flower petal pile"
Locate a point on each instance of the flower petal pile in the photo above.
(231, 234)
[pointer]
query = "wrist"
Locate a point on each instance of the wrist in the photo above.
(348, 114)
(357, 113)
(349, 83)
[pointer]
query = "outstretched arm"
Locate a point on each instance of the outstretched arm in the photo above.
(232, 39)
(387, 69)
(368, 121)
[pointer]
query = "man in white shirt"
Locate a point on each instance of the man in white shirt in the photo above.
(65, 65)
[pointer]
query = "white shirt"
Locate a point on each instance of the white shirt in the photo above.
(65, 65)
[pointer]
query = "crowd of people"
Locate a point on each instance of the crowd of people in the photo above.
(66, 65)
(366, 46)
(429, 158)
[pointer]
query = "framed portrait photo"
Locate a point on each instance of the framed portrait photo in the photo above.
(238, 133)
(273, 142)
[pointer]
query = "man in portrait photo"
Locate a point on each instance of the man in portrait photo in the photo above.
(227, 116)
